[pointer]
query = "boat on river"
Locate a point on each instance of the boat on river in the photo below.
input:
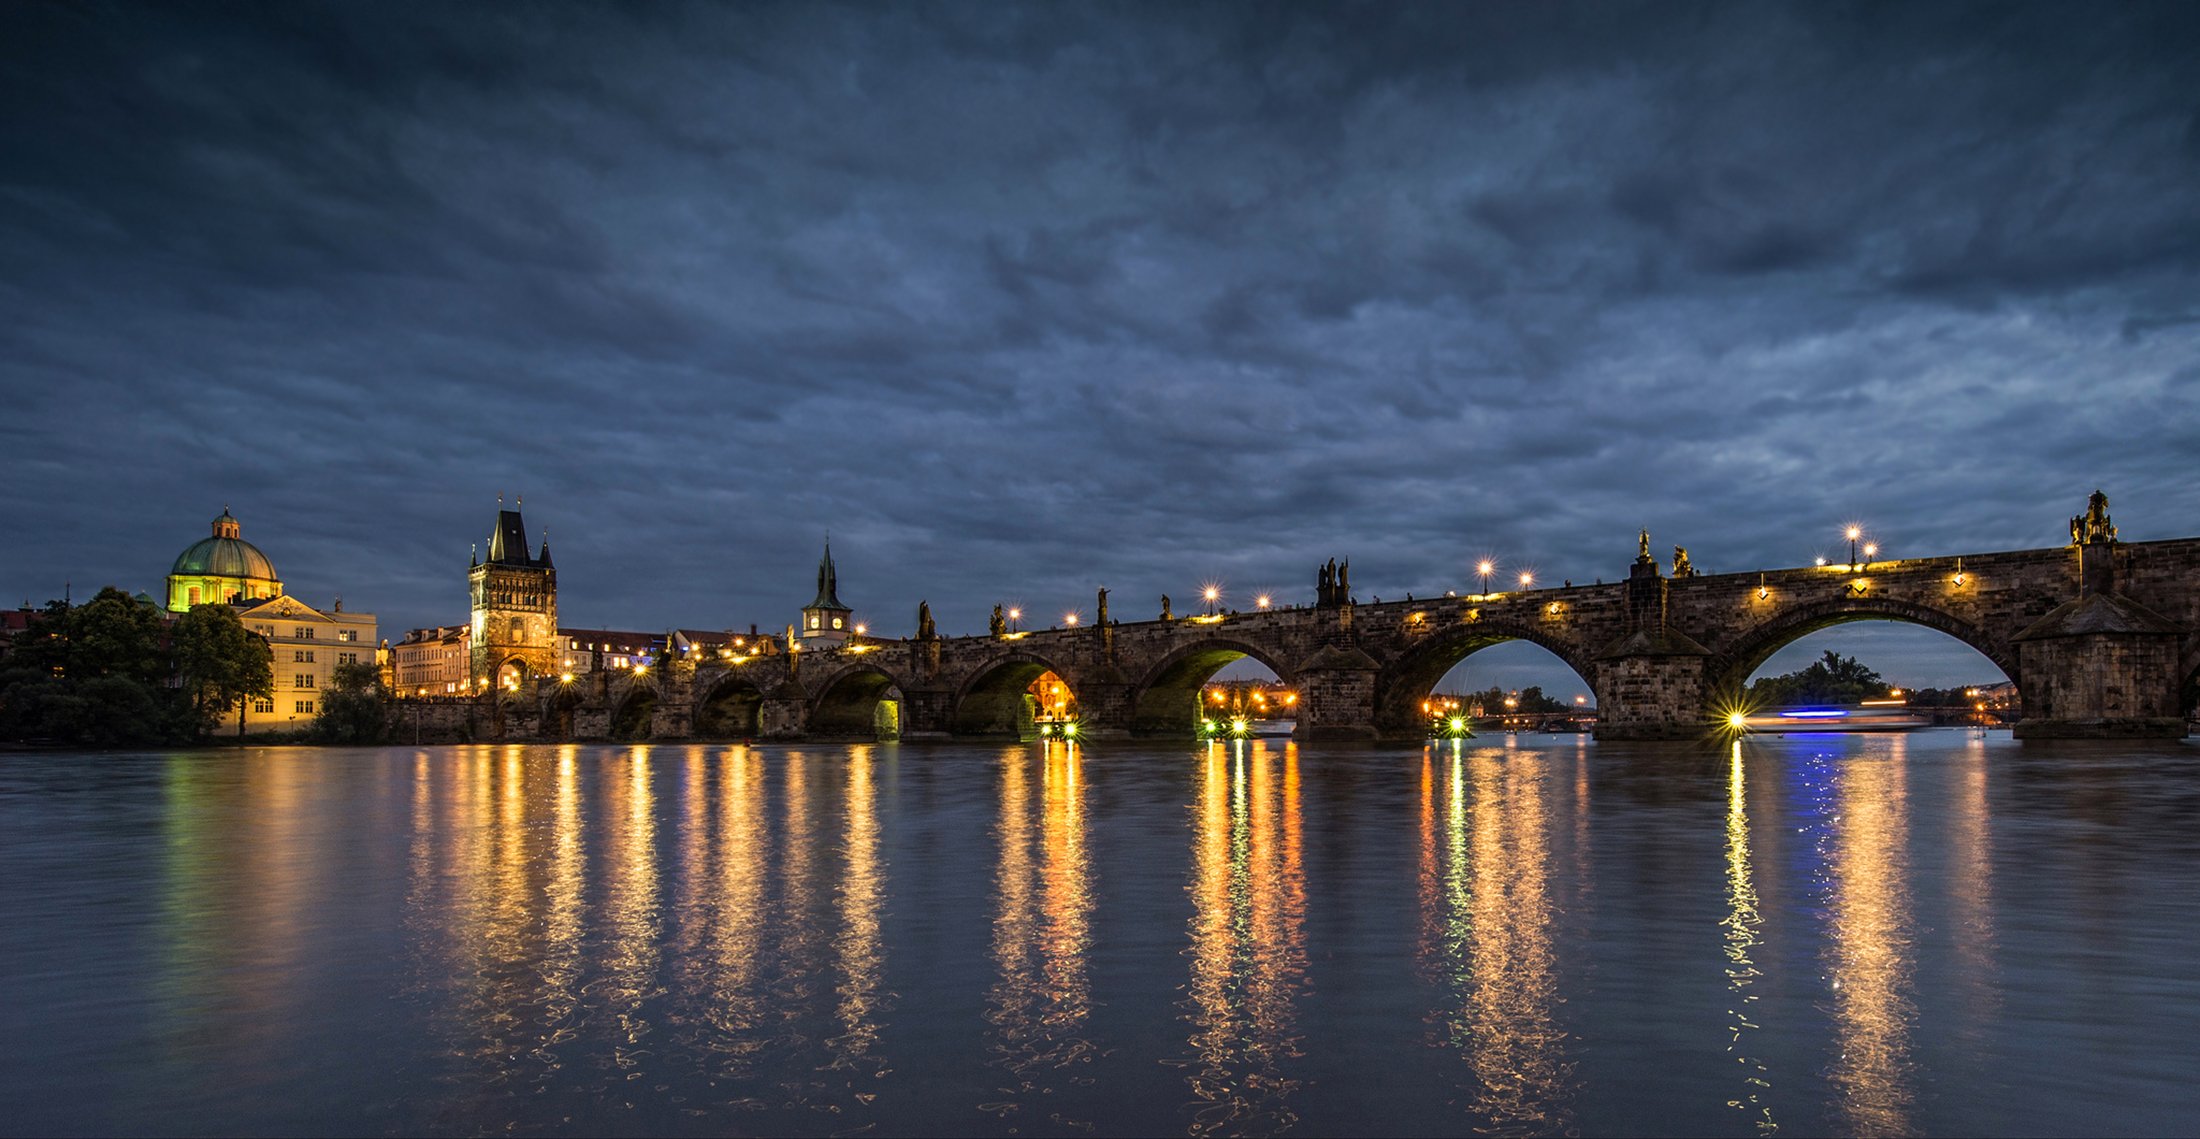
(1870, 716)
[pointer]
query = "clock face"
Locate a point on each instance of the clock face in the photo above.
(836, 622)
(813, 622)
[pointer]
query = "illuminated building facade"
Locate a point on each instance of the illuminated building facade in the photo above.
(514, 631)
(308, 644)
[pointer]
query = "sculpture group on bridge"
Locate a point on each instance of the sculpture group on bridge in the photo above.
(1333, 584)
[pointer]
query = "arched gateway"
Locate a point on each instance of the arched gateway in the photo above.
(2101, 636)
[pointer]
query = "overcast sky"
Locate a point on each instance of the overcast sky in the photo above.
(1021, 301)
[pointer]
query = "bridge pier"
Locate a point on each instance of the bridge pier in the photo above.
(785, 712)
(927, 713)
(1651, 683)
(1104, 706)
(2103, 666)
(1337, 695)
(1652, 696)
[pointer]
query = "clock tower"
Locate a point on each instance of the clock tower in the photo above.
(826, 621)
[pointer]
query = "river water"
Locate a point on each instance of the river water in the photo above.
(1933, 933)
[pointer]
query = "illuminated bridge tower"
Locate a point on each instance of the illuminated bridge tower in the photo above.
(515, 607)
(826, 621)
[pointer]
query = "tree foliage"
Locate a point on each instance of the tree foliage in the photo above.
(92, 674)
(1831, 679)
(220, 664)
(351, 707)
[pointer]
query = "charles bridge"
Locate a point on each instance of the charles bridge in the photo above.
(2101, 637)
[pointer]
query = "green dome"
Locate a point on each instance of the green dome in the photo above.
(224, 555)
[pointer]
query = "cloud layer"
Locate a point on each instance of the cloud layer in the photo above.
(1018, 302)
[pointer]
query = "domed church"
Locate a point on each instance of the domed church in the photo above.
(306, 643)
(224, 568)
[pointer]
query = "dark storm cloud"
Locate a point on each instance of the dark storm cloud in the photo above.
(1021, 301)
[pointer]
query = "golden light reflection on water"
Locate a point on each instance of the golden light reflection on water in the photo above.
(630, 953)
(730, 1014)
(1487, 929)
(1742, 941)
(1248, 939)
(1870, 946)
(1972, 887)
(1041, 998)
(857, 949)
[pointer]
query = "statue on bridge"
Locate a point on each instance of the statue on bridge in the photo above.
(1102, 621)
(1333, 584)
(998, 626)
(925, 629)
(1165, 614)
(1681, 568)
(2093, 525)
(1642, 552)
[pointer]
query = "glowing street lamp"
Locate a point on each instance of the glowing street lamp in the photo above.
(1069, 619)
(1485, 567)
(1855, 532)
(1261, 601)
(1526, 580)
(1014, 615)
(1211, 594)
(1871, 550)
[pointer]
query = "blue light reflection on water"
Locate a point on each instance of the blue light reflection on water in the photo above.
(1919, 933)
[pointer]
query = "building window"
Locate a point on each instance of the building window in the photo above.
(193, 598)
(301, 656)
(263, 707)
(347, 658)
(305, 707)
(302, 632)
(347, 634)
(302, 680)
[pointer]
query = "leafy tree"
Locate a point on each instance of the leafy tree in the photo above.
(113, 635)
(220, 663)
(351, 706)
(92, 674)
(1831, 679)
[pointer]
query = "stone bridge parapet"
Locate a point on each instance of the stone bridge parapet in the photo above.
(2098, 635)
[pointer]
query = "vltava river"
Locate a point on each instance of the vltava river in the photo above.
(1924, 934)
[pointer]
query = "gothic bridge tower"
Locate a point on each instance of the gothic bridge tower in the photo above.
(515, 606)
(826, 621)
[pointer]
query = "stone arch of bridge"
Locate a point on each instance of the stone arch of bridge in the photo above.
(558, 707)
(630, 717)
(732, 708)
(1407, 681)
(991, 703)
(1729, 669)
(511, 674)
(846, 704)
(1165, 698)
